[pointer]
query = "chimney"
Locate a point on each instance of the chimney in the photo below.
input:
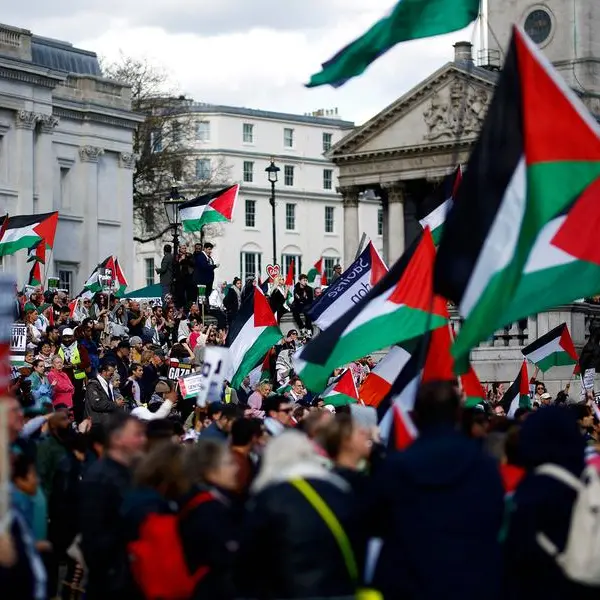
(463, 52)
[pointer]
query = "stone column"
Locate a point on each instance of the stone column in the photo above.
(351, 232)
(45, 164)
(395, 222)
(125, 190)
(88, 156)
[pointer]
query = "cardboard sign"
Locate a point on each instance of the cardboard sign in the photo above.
(215, 365)
(588, 379)
(18, 344)
(177, 370)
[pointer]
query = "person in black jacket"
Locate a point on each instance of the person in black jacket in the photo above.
(204, 268)
(103, 488)
(303, 298)
(233, 300)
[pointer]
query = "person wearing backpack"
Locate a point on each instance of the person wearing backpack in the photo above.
(551, 448)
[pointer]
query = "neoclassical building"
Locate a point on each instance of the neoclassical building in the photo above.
(66, 145)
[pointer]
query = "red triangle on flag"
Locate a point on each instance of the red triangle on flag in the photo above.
(290, 276)
(439, 364)
(553, 127)
(263, 314)
(566, 343)
(46, 229)
(225, 203)
(524, 380)
(415, 288)
(405, 432)
(457, 181)
(378, 268)
(471, 386)
(346, 385)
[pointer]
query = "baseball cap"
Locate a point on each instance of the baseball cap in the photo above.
(546, 396)
(68, 331)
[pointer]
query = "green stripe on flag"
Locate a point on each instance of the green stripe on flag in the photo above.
(268, 338)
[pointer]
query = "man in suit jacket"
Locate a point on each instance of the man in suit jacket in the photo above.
(100, 402)
(166, 270)
(204, 273)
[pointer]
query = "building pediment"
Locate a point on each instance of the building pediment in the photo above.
(446, 108)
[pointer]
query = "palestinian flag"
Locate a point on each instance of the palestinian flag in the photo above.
(517, 395)
(436, 207)
(120, 280)
(22, 232)
(317, 276)
(409, 20)
(93, 283)
(378, 382)
(37, 252)
(35, 274)
(251, 335)
(342, 391)
(215, 207)
(553, 349)
(290, 275)
(520, 237)
(400, 307)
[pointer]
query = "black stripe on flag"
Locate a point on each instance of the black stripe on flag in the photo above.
(490, 170)
(204, 199)
(245, 313)
(542, 341)
(19, 221)
(318, 350)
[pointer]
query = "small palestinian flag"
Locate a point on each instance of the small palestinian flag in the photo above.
(517, 395)
(22, 232)
(215, 207)
(120, 280)
(35, 274)
(93, 283)
(553, 349)
(399, 308)
(378, 382)
(251, 335)
(342, 391)
(520, 237)
(436, 207)
(37, 252)
(317, 276)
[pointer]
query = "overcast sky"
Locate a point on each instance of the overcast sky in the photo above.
(253, 53)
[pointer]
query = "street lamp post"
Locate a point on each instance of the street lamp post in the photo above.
(272, 170)
(171, 203)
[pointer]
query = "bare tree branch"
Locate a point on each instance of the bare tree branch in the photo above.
(154, 237)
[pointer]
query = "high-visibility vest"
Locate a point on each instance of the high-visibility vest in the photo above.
(227, 397)
(75, 360)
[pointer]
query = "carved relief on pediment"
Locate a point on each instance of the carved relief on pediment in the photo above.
(460, 113)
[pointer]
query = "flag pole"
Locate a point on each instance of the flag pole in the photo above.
(46, 263)
(363, 239)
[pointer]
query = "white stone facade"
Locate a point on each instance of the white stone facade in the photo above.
(65, 144)
(240, 143)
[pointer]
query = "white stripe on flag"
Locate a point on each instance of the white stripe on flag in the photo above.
(544, 255)
(546, 350)
(437, 216)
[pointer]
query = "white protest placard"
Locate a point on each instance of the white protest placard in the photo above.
(588, 379)
(18, 344)
(177, 370)
(190, 385)
(215, 365)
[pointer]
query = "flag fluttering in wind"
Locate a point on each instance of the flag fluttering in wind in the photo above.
(517, 395)
(342, 391)
(553, 349)
(316, 276)
(439, 203)
(353, 285)
(23, 231)
(35, 274)
(119, 283)
(37, 252)
(525, 215)
(290, 275)
(400, 307)
(379, 381)
(409, 20)
(215, 207)
(251, 335)
(120, 279)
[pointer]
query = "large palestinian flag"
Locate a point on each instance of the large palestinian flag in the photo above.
(401, 307)
(520, 237)
(342, 391)
(93, 283)
(517, 395)
(437, 205)
(22, 232)
(553, 349)
(251, 335)
(211, 208)
(378, 382)
(353, 285)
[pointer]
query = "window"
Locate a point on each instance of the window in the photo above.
(288, 175)
(176, 132)
(248, 133)
(203, 169)
(65, 195)
(149, 270)
(329, 219)
(327, 141)
(156, 144)
(380, 221)
(250, 264)
(329, 263)
(203, 131)
(248, 171)
(66, 279)
(286, 261)
(290, 217)
(288, 138)
(250, 213)
(327, 179)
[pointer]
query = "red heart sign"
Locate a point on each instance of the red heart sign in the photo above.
(273, 271)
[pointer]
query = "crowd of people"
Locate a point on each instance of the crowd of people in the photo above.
(120, 486)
